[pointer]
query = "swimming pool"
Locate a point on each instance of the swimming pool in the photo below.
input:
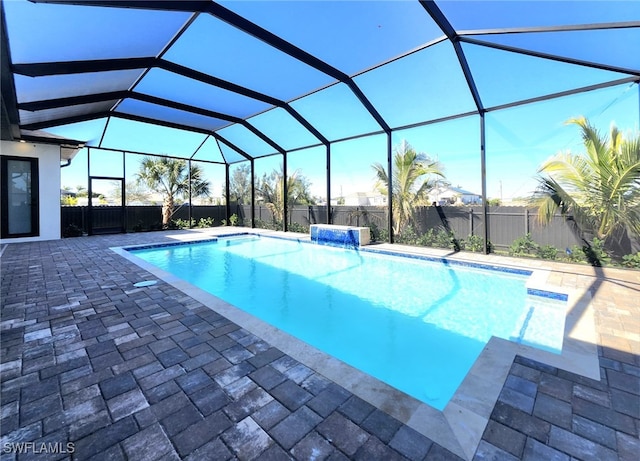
(417, 324)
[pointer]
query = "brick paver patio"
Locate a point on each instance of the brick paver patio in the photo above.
(149, 373)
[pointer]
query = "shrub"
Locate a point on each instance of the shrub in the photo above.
(427, 239)
(408, 236)
(182, 223)
(297, 227)
(632, 261)
(378, 234)
(233, 221)
(205, 222)
(72, 230)
(439, 238)
(596, 254)
(593, 254)
(68, 201)
(473, 243)
(524, 246)
(259, 223)
(447, 239)
(547, 252)
(575, 254)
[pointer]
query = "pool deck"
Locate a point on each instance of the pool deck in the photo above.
(168, 372)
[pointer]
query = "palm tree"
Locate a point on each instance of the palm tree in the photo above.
(170, 178)
(271, 190)
(411, 182)
(81, 191)
(600, 189)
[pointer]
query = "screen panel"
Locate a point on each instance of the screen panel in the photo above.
(424, 86)
(474, 14)
(336, 113)
(50, 115)
(168, 85)
(610, 47)
(169, 114)
(41, 32)
(243, 59)
(209, 150)
(62, 86)
(143, 137)
(503, 77)
(519, 139)
(351, 36)
(246, 140)
(280, 126)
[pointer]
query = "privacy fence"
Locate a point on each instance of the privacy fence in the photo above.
(506, 224)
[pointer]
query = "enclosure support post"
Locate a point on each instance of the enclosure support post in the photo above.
(123, 192)
(253, 195)
(227, 194)
(190, 204)
(483, 172)
(390, 186)
(526, 221)
(90, 193)
(328, 183)
(285, 193)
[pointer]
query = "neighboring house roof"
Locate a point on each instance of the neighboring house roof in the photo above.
(459, 190)
(450, 194)
(364, 198)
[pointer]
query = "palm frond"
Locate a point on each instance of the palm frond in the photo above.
(601, 188)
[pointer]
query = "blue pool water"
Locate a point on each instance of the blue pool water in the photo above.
(415, 324)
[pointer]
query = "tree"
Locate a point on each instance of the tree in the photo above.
(240, 184)
(271, 190)
(134, 191)
(170, 178)
(600, 188)
(411, 181)
(81, 191)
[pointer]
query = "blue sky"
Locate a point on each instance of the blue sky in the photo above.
(352, 36)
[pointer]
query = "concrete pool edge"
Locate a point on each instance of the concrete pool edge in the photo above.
(460, 427)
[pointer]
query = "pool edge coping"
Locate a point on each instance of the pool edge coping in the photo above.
(460, 426)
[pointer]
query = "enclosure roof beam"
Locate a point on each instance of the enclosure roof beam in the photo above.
(243, 24)
(542, 29)
(73, 67)
(86, 99)
(232, 146)
(43, 69)
(137, 118)
(561, 94)
(65, 120)
(10, 116)
(33, 106)
(552, 57)
(277, 42)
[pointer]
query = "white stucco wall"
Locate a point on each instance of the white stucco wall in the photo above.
(48, 156)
